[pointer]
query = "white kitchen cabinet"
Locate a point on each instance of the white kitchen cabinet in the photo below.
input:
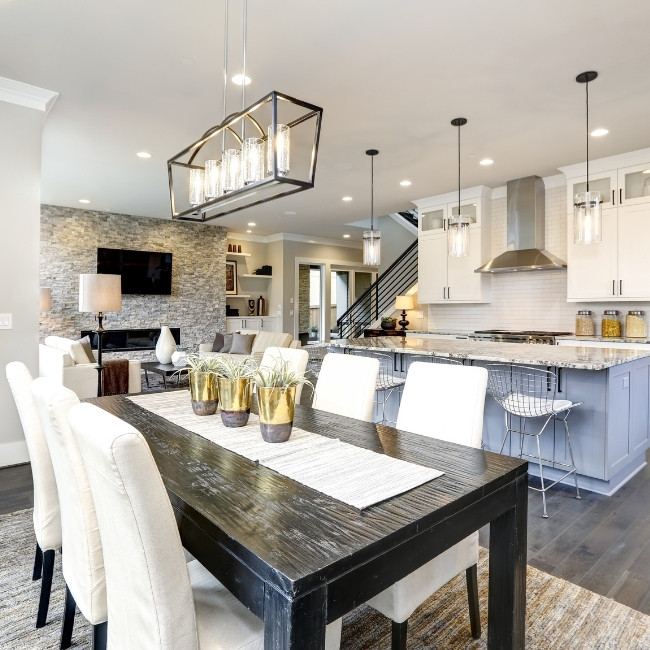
(444, 279)
(236, 323)
(616, 268)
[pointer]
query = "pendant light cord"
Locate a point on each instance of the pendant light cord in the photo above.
(243, 85)
(225, 72)
(459, 174)
(587, 110)
(372, 192)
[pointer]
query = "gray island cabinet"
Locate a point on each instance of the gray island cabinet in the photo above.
(610, 430)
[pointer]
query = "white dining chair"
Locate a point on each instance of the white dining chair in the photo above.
(47, 515)
(446, 402)
(346, 386)
(296, 358)
(155, 600)
(83, 561)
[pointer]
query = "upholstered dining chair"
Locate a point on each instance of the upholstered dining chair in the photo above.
(170, 604)
(443, 401)
(47, 515)
(346, 386)
(83, 562)
(296, 358)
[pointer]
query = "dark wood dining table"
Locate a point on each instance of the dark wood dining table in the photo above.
(299, 559)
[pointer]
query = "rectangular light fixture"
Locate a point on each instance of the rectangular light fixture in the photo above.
(275, 138)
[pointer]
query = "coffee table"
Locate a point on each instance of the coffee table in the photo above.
(164, 369)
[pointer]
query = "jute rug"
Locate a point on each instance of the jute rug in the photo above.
(560, 615)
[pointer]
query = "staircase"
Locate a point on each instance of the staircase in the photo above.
(379, 298)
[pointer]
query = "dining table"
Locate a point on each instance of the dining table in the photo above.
(300, 559)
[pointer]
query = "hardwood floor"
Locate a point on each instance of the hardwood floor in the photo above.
(600, 543)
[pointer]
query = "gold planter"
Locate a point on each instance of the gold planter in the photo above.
(204, 393)
(276, 406)
(235, 396)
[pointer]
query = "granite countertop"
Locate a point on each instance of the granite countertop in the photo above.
(585, 358)
(604, 339)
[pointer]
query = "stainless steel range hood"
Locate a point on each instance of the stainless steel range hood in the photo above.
(525, 231)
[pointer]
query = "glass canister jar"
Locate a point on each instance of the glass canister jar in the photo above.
(635, 327)
(585, 324)
(611, 323)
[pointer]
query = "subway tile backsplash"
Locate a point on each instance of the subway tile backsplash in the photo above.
(530, 300)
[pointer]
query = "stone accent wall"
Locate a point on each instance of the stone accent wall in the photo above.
(303, 298)
(197, 304)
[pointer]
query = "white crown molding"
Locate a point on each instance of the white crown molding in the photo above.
(21, 94)
(288, 236)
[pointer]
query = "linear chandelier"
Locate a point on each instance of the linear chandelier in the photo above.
(261, 153)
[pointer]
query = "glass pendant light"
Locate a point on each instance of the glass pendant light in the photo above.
(587, 212)
(372, 237)
(458, 225)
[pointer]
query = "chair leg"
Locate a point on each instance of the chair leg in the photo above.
(46, 588)
(472, 598)
(398, 638)
(100, 634)
(68, 619)
(38, 563)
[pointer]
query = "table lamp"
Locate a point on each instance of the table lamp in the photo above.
(100, 292)
(404, 303)
(45, 298)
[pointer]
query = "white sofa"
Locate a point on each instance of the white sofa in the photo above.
(262, 341)
(60, 358)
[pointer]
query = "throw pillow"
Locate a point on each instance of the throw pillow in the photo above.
(217, 345)
(77, 353)
(85, 344)
(242, 343)
(227, 343)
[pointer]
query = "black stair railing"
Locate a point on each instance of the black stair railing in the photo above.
(396, 280)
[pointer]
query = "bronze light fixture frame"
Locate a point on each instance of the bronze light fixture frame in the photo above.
(272, 186)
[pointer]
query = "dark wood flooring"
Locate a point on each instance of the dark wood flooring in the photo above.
(600, 543)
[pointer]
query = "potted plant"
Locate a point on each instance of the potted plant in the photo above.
(388, 323)
(276, 399)
(203, 384)
(313, 332)
(234, 376)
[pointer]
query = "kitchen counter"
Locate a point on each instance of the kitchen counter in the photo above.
(534, 355)
(610, 429)
(603, 339)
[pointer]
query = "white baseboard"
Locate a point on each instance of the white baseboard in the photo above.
(13, 453)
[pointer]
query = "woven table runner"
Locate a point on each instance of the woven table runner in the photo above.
(353, 475)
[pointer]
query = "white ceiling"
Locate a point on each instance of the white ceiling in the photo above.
(390, 75)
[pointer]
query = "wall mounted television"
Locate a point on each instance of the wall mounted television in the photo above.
(143, 272)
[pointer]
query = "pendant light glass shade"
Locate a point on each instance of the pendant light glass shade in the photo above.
(371, 247)
(196, 187)
(252, 160)
(281, 141)
(587, 212)
(458, 236)
(372, 237)
(213, 179)
(458, 225)
(587, 218)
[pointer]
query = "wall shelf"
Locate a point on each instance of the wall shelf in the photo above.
(255, 275)
(231, 254)
(236, 295)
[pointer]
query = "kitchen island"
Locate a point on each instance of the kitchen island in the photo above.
(610, 430)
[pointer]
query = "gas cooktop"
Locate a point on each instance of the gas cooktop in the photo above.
(523, 332)
(518, 336)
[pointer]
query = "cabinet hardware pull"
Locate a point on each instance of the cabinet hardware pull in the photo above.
(613, 287)
(444, 291)
(613, 197)
(448, 293)
(620, 287)
(620, 196)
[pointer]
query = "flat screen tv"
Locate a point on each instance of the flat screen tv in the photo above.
(141, 271)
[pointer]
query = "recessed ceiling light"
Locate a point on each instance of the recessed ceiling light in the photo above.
(289, 212)
(311, 241)
(187, 61)
(241, 80)
(249, 231)
(347, 198)
(346, 236)
(597, 133)
(84, 201)
(251, 223)
(486, 161)
(143, 154)
(405, 183)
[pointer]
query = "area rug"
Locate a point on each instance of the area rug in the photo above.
(559, 615)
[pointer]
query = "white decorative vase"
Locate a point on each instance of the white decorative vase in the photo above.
(166, 345)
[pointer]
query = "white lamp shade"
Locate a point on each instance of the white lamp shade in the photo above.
(45, 298)
(404, 302)
(100, 292)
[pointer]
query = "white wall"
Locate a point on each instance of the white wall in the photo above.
(533, 300)
(20, 175)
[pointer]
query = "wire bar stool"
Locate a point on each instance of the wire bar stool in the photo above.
(529, 393)
(429, 358)
(389, 380)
